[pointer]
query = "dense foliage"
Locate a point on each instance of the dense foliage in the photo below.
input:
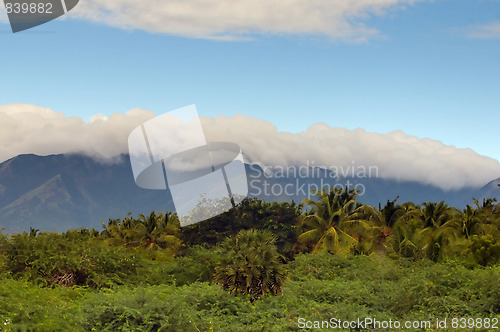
(260, 266)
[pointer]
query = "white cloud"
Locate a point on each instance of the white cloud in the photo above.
(33, 129)
(395, 154)
(3, 17)
(237, 19)
(485, 31)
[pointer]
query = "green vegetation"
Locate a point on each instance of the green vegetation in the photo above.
(258, 267)
(251, 264)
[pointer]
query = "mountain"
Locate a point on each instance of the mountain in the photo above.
(60, 192)
(491, 190)
(373, 190)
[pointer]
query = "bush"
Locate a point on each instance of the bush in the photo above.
(154, 308)
(358, 286)
(50, 259)
(485, 249)
(26, 307)
(196, 265)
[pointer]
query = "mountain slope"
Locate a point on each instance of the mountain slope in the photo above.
(60, 192)
(50, 202)
(491, 190)
(373, 190)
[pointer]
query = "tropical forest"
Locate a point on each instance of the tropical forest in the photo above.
(326, 263)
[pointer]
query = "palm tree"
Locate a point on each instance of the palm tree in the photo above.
(34, 232)
(157, 231)
(473, 220)
(496, 211)
(391, 212)
(251, 264)
(336, 225)
(408, 237)
(435, 214)
(115, 232)
(382, 219)
(474, 223)
(435, 235)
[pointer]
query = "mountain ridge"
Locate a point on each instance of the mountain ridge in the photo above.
(60, 192)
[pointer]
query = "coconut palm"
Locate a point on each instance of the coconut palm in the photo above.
(120, 232)
(157, 231)
(473, 220)
(426, 230)
(435, 235)
(472, 224)
(408, 238)
(336, 225)
(382, 221)
(435, 214)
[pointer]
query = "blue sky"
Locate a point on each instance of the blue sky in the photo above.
(431, 69)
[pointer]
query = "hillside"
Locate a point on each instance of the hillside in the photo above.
(60, 192)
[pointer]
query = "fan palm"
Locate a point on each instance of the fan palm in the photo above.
(251, 264)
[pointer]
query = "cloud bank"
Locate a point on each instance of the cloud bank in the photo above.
(32, 129)
(237, 19)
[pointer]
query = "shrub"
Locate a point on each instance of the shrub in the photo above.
(485, 249)
(27, 307)
(51, 259)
